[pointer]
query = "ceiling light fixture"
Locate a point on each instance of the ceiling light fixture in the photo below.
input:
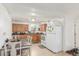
(33, 20)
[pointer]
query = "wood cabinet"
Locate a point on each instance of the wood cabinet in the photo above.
(43, 27)
(20, 27)
(21, 36)
(23, 28)
(36, 38)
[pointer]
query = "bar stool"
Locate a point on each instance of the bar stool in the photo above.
(2, 52)
(7, 49)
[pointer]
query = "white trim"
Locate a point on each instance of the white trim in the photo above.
(20, 23)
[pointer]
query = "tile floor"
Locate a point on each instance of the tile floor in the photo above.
(37, 51)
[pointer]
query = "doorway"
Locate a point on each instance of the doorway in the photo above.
(77, 33)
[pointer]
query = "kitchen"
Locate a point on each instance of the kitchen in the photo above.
(22, 31)
(48, 29)
(41, 34)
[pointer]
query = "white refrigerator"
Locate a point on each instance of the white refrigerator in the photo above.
(53, 38)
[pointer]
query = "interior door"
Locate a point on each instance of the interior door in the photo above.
(77, 33)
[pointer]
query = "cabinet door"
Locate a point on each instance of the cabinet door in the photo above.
(36, 38)
(14, 28)
(43, 27)
(19, 27)
(26, 27)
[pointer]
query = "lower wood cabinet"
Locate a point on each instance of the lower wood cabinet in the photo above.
(35, 37)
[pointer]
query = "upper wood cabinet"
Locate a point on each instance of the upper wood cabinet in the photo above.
(43, 27)
(19, 27)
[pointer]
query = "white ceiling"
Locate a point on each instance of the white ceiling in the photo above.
(44, 11)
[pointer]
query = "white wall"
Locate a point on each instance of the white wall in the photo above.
(5, 25)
